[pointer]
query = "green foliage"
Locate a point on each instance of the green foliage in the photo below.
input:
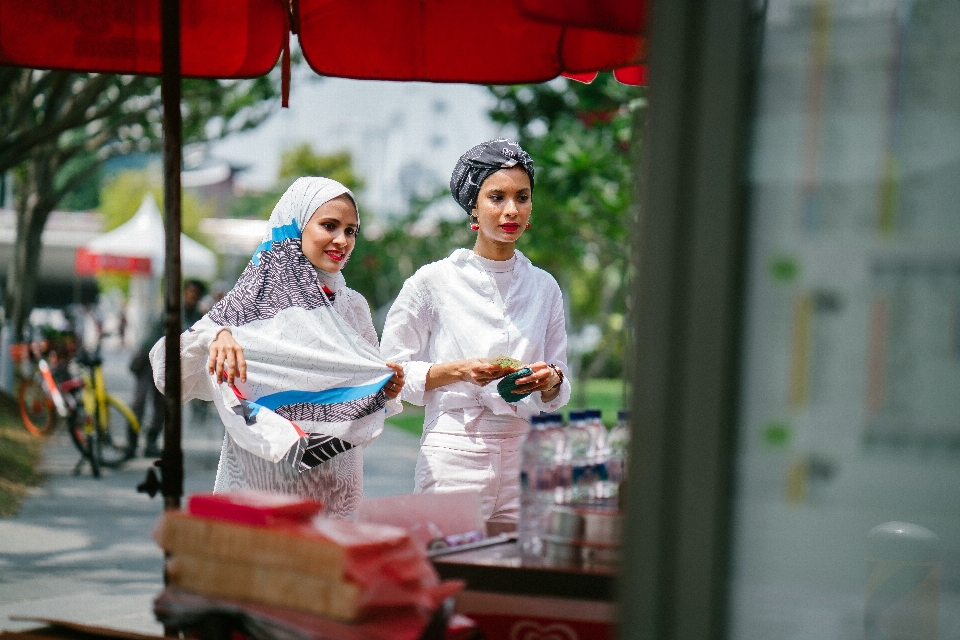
(379, 266)
(19, 457)
(121, 196)
(301, 161)
(85, 196)
(580, 138)
(297, 162)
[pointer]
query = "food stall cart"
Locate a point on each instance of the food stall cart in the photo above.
(425, 41)
(512, 601)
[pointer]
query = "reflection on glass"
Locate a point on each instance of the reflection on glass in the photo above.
(847, 522)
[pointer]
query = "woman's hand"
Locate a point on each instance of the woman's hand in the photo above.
(475, 371)
(543, 379)
(226, 359)
(395, 384)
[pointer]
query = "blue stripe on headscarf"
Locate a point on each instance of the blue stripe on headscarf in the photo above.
(328, 396)
(277, 234)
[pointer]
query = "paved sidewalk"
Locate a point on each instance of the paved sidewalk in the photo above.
(80, 549)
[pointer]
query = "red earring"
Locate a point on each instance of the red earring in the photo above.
(474, 226)
(528, 225)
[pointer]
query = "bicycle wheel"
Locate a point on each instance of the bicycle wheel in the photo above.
(84, 437)
(36, 408)
(115, 434)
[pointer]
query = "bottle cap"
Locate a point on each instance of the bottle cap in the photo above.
(575, 415)
(623, 415)
(539, 419)
(592, 413)
(553, 418)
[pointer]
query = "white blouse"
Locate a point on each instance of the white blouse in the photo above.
(453, 310)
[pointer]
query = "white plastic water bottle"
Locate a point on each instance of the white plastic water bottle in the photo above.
(537, 485)
(599, 453)
(581, 462)
(616, 467)
(618, 442)
(561, 467)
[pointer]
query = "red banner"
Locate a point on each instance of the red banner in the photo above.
(88, 264)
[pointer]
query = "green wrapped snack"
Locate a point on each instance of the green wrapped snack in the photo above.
(509, 382)
(506, 362)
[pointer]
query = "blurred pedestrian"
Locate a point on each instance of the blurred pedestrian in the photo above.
(145, 392)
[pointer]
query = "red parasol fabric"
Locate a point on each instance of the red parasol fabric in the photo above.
(622, 16)
(429, 40)
(451, 41)
(220, 38)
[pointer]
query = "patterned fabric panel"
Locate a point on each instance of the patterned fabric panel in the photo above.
(337, 483)
(284, 278)
(319, 448)
(336, 412)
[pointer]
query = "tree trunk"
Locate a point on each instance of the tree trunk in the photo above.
(36, 198)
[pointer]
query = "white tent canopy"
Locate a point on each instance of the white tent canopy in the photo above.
(142, 236)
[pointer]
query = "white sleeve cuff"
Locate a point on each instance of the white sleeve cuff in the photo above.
(415, 386)
(561, 400)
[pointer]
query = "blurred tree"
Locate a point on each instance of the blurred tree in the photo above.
(121, 195)
(58, 128)
(381, 262)
(297, 162)
(300, 161)
(580, 138)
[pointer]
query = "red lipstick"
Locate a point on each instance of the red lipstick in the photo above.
(510, 227)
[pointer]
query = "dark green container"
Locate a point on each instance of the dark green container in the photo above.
(508, 383)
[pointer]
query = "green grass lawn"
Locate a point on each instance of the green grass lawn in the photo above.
(603, 394)
(19, 454)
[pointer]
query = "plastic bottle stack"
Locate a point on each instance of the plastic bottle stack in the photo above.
(599, 454)
(618, 443)
(562, 470)
(538, 464)
(570, 484)
(577, 455)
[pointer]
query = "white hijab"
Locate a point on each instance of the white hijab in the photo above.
(314, 386)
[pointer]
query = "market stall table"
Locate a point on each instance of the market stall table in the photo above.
(509, 600)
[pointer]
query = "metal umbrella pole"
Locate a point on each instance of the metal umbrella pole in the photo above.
(171, 462)
(170, 483)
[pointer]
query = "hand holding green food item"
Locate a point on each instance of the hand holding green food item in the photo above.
(506, 362)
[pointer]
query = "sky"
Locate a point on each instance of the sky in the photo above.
(404, 137)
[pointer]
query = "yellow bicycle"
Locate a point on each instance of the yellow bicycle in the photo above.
(103, 428)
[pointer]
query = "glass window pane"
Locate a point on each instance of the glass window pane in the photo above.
(850, 410)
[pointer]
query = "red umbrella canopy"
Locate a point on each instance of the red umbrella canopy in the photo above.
(476, 41)
(608, 15)
(219, 38)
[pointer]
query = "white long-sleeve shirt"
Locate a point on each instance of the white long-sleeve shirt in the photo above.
(452, 310)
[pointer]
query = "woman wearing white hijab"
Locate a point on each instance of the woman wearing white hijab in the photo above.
(290, 357)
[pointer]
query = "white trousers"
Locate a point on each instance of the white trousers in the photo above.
(488, 464)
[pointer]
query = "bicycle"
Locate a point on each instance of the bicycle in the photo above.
(101, 426)
(39, 406)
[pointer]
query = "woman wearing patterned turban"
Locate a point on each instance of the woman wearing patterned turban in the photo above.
(290, 358)
(454, 315)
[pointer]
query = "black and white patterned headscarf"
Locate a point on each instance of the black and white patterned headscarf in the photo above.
(314, 386)
(482, 161)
